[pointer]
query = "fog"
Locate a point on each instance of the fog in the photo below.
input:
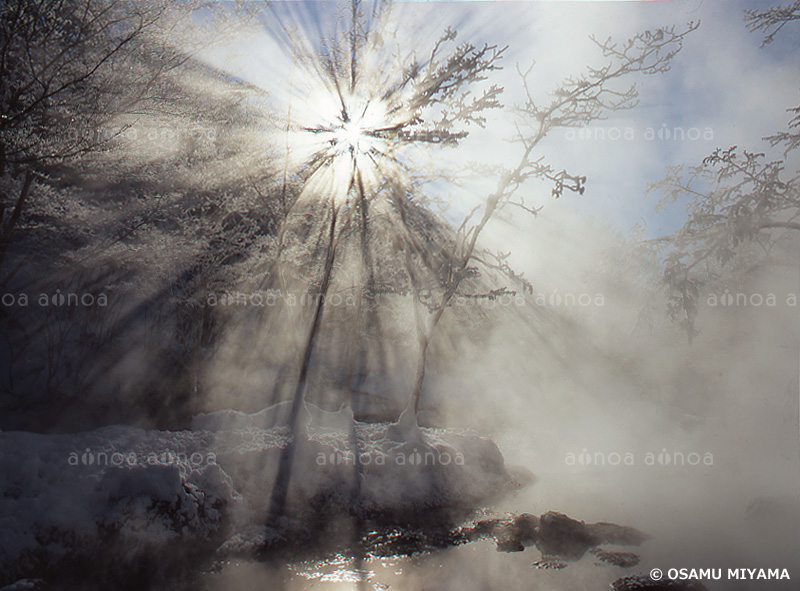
(314, 244)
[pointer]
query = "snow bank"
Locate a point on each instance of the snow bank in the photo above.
(85, 499)
(129, 494)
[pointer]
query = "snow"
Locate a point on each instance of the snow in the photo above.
(273, 416)
(66, 494)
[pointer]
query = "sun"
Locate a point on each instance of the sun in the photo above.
(362, 109)
(359, 129)
(352, 141)
(348, 137)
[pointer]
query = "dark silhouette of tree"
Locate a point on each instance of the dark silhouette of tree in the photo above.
(69, 68)
(109, 123)
(356, 172)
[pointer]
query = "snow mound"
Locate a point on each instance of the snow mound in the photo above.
(120, 495)
(82, 499)
(273, 416)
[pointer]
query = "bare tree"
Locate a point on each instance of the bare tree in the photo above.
(91, 92)
(358, 188)
(575, 102)
(772, 20)
(735, 199)
(68, 69)
(425, 100)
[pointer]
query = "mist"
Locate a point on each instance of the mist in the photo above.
(399, 295)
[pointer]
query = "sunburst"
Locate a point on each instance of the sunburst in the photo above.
(360, 102)
(354, 147)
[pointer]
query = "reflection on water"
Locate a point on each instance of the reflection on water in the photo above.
(471, 567)
(337, 569)
(697, 521)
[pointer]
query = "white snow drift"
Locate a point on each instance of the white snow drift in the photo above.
(66, 495)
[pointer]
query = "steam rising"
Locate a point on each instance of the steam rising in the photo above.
(293, 247)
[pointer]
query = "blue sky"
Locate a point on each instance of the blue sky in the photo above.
(723, 89)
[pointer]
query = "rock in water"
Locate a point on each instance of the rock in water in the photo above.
(26, 585)
(508, 539)
(619, 535)
(558, 535)
(621, 559)
(527, 525)
(549, 564)
(515, 535)
(562, 536)
(645, 583)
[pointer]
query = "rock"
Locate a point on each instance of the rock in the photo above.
(564, 537)
(621, 559)
(521, 476)
(271, 416)
(508, 538)
(26, 585)
(549, 564)
(557, 536)
(645, 583)
(561, 536)
(526, 524)
(485, 527)
(509, 545)
(511, 534)
(125, 499)
(620, 535)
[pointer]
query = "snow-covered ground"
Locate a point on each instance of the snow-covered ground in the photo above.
(123, 495)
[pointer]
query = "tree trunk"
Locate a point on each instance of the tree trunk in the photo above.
(9, 228)
(281, 486)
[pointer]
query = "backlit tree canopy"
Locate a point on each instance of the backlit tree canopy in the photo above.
(312, 191)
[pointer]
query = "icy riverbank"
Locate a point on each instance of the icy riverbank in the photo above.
(122, 498)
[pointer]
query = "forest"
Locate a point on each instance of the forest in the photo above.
(372, 295)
